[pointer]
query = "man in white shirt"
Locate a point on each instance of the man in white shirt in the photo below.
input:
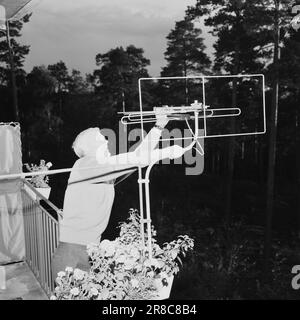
(90, 193)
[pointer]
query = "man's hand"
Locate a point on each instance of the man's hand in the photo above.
(176, 152)
(161, 117)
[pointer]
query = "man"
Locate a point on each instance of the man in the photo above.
(90, 193)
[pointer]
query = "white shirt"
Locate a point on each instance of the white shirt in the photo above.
(90, 193)
(87, 205)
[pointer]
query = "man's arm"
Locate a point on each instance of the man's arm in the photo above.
(144, 155)
(143, 151)
(146, 147)
(172, 152)
(131, 160)
(109, 171)
(150, 142)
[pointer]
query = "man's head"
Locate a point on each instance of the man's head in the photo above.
(88, 142)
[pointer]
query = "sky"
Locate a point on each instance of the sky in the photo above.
(74, 31)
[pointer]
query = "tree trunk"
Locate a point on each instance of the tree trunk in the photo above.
(13, 75)
(186, 88)
(272, 146)
(261, 170)
(298, 162)
(231, 142)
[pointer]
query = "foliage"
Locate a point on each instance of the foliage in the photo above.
(117, 79)
(123, 268)
(59, 71)
(185, 52)
(77, 84)
(242, 27)
(39, 181)
(185, 56)
(20, 52)
(226, 263)
(40, 117)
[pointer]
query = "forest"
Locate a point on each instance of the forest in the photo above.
(244, 209)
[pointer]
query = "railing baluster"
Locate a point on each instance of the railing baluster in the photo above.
(49, 253)
(46, 249)
(41, 247)
(30, 220)
(35, 247)
(49, 257)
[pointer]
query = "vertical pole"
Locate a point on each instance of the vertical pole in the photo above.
(148, 210)
(141, 108)
(204, 103)
(148, 217)
(13, 75)
(272, 145)
(141, 196)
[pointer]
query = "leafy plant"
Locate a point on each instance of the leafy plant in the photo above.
(40, 181)
(123, 269)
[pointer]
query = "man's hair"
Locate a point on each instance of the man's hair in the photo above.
(81, 143)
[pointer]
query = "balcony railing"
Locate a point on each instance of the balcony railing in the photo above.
(41, 231)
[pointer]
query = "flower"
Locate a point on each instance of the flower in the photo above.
(92, 248)
(61, 274)
(94, 292)
(120, 276)
(129, 264)
(49, 165)
(75, 291)
(109, 252)
(134, 252)
(108, 247)
(123, 268)
(78, 274)
(121, 258)
(134, 283)
(104, 244)
(103, 295)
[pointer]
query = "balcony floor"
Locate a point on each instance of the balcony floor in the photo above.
(21, 284)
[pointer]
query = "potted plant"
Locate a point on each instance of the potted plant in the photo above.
(123, 269)
(39, 182)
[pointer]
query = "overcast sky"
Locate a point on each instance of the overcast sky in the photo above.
(76, 30)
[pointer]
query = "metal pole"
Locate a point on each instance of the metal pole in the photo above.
(141, 196)
(148, 212)
(146, 182)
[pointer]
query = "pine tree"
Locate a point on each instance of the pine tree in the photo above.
(40, 121)
(234, 54)
(60, 72)
(117, 79)
(12, 57)
(77, 84)
(185, 54)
